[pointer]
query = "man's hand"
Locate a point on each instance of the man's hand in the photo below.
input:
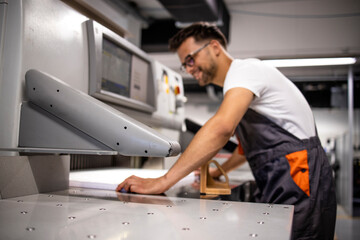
(143, 185)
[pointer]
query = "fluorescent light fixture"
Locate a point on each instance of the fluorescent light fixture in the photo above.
(306, 62)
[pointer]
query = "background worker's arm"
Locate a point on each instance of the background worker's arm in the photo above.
(235, 161)
(205, 144)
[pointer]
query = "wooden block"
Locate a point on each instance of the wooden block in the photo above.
(208, 185)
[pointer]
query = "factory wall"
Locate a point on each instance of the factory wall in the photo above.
(295, 28)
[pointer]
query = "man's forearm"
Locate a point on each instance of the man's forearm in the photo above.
(204, 146)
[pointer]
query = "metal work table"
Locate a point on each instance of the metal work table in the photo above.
(103, 214)
(82, 213)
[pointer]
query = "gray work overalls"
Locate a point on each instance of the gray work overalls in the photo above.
(291, 171)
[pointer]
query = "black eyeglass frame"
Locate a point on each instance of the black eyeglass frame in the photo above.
(190, 56)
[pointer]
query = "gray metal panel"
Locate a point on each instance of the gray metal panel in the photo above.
(40, 129)
(10, 72)
(103, 216)
(51, 172)
(3, 11)
(42, 150)
(16, 177)
(24, 175)
(95, 118)
(350, 159)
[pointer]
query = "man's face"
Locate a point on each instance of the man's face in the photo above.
(197, 60)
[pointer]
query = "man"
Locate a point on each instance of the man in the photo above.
(275, 126)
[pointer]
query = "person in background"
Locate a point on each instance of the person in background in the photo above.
(275, 126)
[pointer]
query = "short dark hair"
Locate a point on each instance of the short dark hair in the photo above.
(200, 31)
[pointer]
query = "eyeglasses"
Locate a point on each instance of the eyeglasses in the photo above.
(189, 59)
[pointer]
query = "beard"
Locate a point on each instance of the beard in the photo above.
(208, 74)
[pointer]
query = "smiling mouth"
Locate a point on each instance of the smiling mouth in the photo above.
(197, 73)
(196, 76)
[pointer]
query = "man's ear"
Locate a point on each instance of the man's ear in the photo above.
(216, 46)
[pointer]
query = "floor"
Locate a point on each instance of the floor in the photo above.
(347, 227)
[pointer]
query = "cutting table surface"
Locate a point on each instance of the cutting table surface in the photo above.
(103, 214)
(88, 213)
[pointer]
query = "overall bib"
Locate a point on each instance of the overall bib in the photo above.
(290, 171)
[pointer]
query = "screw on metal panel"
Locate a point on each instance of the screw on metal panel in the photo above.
(261, 222)
(125, 127)
(253, 235)
(266, 213)
(30, 229)
(92, 236)
(50, 105)
(117, 143)
(71, 218)
(58, 90)
(146, 151)
(185, 229)
(34, 89)
(24, 212)
(125, 223)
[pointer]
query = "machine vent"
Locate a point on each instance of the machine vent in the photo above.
(155, 38)
(193, 10)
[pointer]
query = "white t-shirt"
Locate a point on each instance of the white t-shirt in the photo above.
(276, 97)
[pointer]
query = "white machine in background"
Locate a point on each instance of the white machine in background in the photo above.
(171, 105)
(171, 96)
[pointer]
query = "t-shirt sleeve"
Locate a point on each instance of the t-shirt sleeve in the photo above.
(245, 75)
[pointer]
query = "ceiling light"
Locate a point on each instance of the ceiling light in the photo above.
(305, 62)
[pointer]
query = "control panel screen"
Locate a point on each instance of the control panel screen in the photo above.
(116, 69)
(120, 73)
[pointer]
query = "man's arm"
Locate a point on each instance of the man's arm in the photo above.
(205, 144)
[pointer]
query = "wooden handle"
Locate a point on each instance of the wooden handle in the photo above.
(220, 168)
